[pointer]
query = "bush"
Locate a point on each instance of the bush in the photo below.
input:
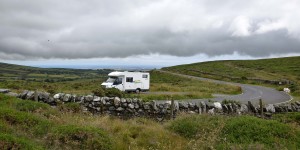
(74, 137)
(99, 92)
(247, 130)
(31, 106)
(70, 107)
(26, 121)
(113, 92)
(8, 141)
(194, 126)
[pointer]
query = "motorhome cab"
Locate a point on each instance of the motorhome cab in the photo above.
(128, 81)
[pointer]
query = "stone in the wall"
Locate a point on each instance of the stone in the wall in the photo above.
(30, 95)
(12, 94)
(225, 108)
(66, 98)
(244, 108)
(251, 108)
(131, 106)
(4, 90)
(117, 101)
(203, 106)
(211, 111)
(270, 108)
(23, 94)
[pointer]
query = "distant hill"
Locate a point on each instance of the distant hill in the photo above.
(246, 71)
(11, 71)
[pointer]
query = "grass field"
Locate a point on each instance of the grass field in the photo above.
(33, 125)
(244, 71)
(83, 82)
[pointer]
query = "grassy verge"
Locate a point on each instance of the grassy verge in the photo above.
(32, 125)
(184, 88)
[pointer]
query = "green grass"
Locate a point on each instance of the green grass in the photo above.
(247, 130)
(245, 70)
(184, 88)
(36, 125)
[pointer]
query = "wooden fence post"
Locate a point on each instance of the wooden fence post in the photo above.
(172, 108)
(36, 97)
(261, 108)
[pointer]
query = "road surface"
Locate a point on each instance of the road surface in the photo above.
(249, 92)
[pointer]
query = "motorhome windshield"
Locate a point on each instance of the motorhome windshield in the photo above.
(111, 79)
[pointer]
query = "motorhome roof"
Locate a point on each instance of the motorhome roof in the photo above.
(118, 73)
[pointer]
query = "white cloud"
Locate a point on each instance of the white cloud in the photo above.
(240, 26)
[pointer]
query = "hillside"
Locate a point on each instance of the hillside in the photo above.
(26, 124)
(270, 72)
(11, 71)
(84, 81)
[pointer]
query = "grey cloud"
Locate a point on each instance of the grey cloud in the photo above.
(97, 29)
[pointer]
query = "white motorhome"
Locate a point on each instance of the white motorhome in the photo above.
(128, 81)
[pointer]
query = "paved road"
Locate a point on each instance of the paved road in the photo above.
(250, 92)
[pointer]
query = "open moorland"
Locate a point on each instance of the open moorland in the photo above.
(86, 81)
(28, 124)
(277, 72)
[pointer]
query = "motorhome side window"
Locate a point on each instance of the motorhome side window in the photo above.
(145, 76)
(129, 79)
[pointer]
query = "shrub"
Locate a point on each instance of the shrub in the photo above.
(113, 92)
(26, 121)
(74, 137)
(31, 106)
(8, 141)
(247, 130)
(99, 92)
(70, 107)
(194, 126)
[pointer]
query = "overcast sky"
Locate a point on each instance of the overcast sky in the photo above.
(146, 32)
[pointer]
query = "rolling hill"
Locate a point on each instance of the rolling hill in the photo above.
(270, 72)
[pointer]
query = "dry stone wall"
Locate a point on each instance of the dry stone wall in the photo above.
(134, 107)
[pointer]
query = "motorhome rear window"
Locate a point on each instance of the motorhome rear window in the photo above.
(129, 79)
(145, 76)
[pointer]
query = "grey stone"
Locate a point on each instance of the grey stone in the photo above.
(211, 111)
(23, 94)
(225, 108)
(89, 98)
(270, 108)
(136, 106)
(135, 100)
(57, 96)
(96, 99)
(210, 105)
(183, 105)
(128, 100)
(251, 108)
(298, 103)
(123, 100)
(131, 106)
(230, 109)
(12, 94)
(191, 105)
(43, 96)
(217, 105)
(203, 106)
(111, 108)
(120, 109)
(124, 104)
(153, 103)
(244, 108)
(30, 95)
(117, 101)
(4, 90)
(66, 98)
(147, 105)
